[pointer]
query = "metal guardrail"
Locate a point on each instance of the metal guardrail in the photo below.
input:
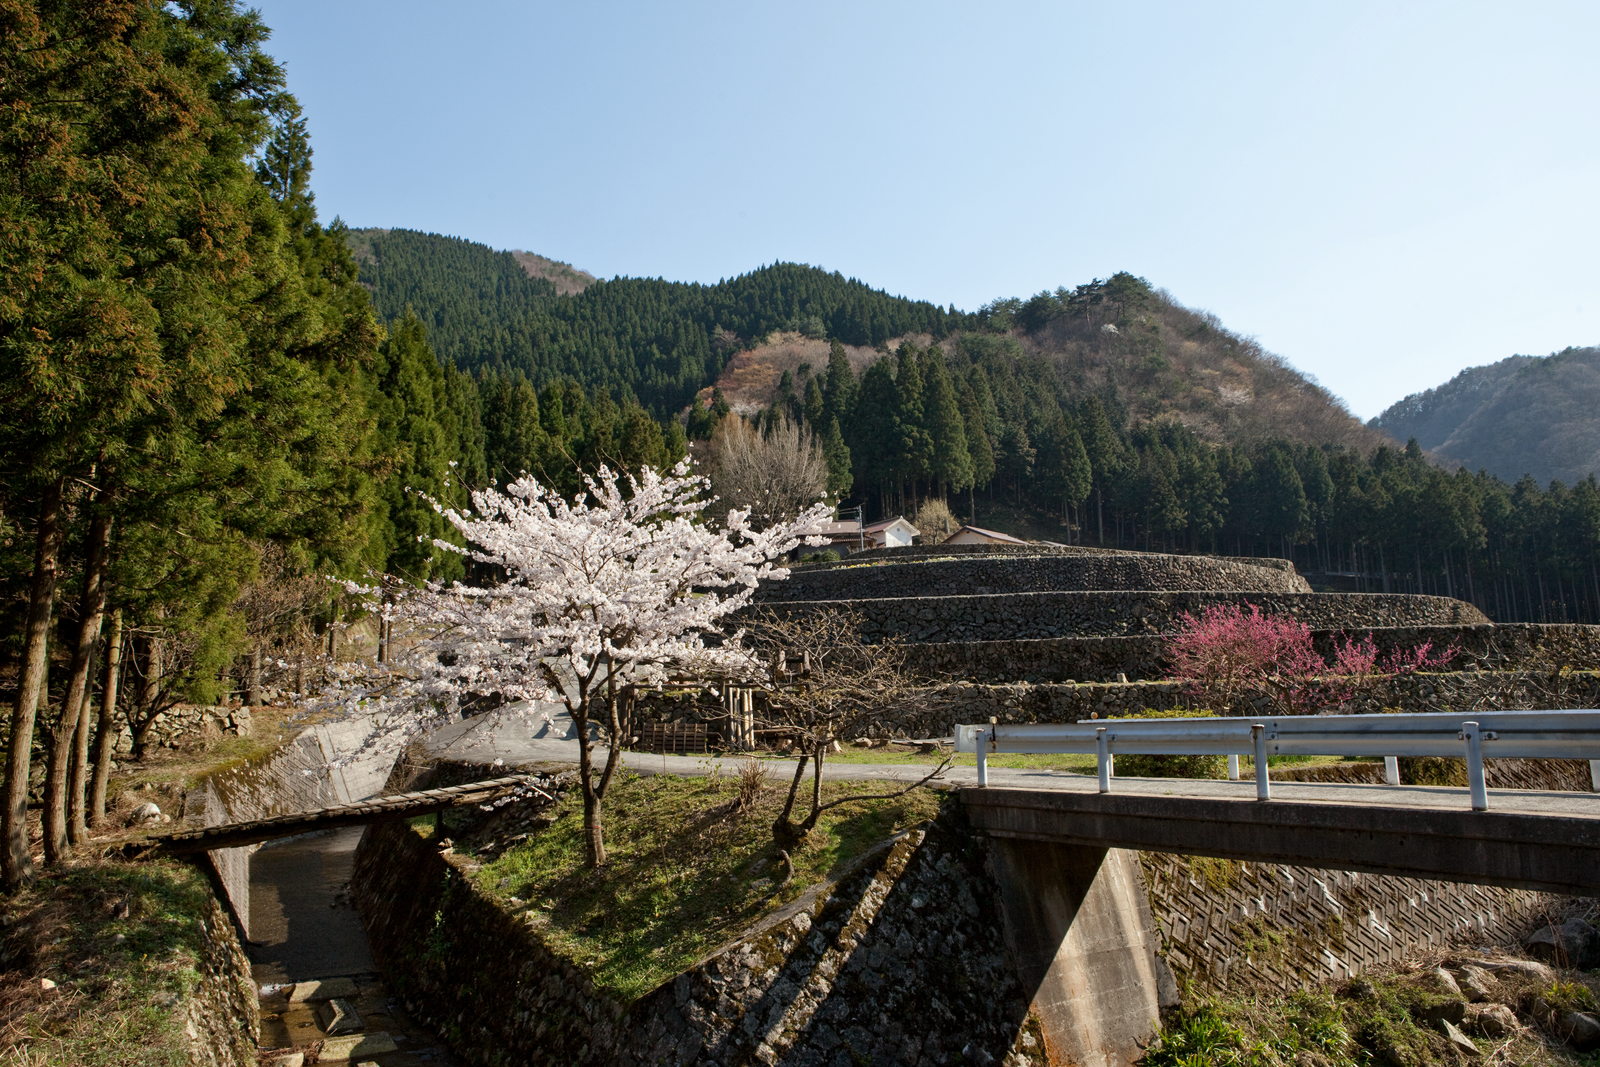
(1473, 735)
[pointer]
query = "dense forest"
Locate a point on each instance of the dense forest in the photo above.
(648, 340)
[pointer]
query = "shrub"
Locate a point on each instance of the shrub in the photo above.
(1155, 766)
(1230, 654)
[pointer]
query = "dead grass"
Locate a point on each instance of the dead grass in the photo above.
(122, 945)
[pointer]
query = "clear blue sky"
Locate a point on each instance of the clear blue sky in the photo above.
(1381, 193)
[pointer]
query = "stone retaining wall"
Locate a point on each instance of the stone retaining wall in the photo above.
(1102, 659)
(1025, 702)
(911, 552)
(901, 961)
(1022, 616)
(221, 1016)
(1028, 574)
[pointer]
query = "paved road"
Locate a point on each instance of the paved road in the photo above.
(527, 734)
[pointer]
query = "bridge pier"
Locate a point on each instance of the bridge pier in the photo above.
(1080, 931)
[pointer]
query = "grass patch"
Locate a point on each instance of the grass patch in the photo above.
(1372, 1021)
(687, 871)
(1072, 763)
(1076, 764)
(114, 1000)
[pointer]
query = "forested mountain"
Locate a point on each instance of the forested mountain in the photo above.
(655, 341)
(1525, 415)
(1108, 410)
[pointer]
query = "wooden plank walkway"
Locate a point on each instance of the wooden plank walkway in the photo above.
(394, 806)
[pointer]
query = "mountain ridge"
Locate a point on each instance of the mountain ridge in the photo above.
(1520, 416)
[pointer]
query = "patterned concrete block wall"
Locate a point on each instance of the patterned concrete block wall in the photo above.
(1228, 925)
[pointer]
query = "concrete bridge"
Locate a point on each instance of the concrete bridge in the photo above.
(1532, 840)
(1078, 919)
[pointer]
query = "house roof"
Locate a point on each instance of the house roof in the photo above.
(884, 524)
(991, 535)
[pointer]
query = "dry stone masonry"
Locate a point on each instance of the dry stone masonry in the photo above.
(1026, 627)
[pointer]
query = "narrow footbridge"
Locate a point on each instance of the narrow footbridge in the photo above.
(1532, 840)
(394, 806)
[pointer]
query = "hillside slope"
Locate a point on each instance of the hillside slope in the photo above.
(1524, 415)
(1120, 340)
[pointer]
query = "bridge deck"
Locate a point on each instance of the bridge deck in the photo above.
(1531, 840)
(254, 831)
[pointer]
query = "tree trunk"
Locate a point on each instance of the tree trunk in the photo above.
(74, 707)
(105, 735)
(594, 837)
(16, 866)
(149, 698)
(252, 680)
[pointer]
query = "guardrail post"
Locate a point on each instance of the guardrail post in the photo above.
(1391, 770)
(1258, 738)
(1594, 775)
(1103, 758)
(983, 741)
(1474, 739)
(1233, 767)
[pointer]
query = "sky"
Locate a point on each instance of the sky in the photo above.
(1380, 193)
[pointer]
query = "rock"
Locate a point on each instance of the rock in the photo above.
(1538, 972)
(323, 989)
(1439, 1009)
(1439, 981)
(45, 985)
(353, 1045)
(1490, 1020)
(1477, 983)
(1573, 943)
(1579, 1029)
(338, 1016)
(1461, 1041)
(144, 814)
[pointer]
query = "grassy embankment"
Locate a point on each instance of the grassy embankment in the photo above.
(123, 946)
(691, 865)
(96, 954)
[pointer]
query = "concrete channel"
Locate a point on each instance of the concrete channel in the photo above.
(320, 991)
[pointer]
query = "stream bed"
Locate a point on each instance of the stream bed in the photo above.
(308, 945)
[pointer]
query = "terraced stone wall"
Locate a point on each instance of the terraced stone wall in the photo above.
(1024, 702)
(1022, 616)
(1479, 647)
(1027, 574)
(908, 552)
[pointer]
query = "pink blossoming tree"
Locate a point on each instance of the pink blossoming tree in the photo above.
(1228, 653)
(622, 585)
